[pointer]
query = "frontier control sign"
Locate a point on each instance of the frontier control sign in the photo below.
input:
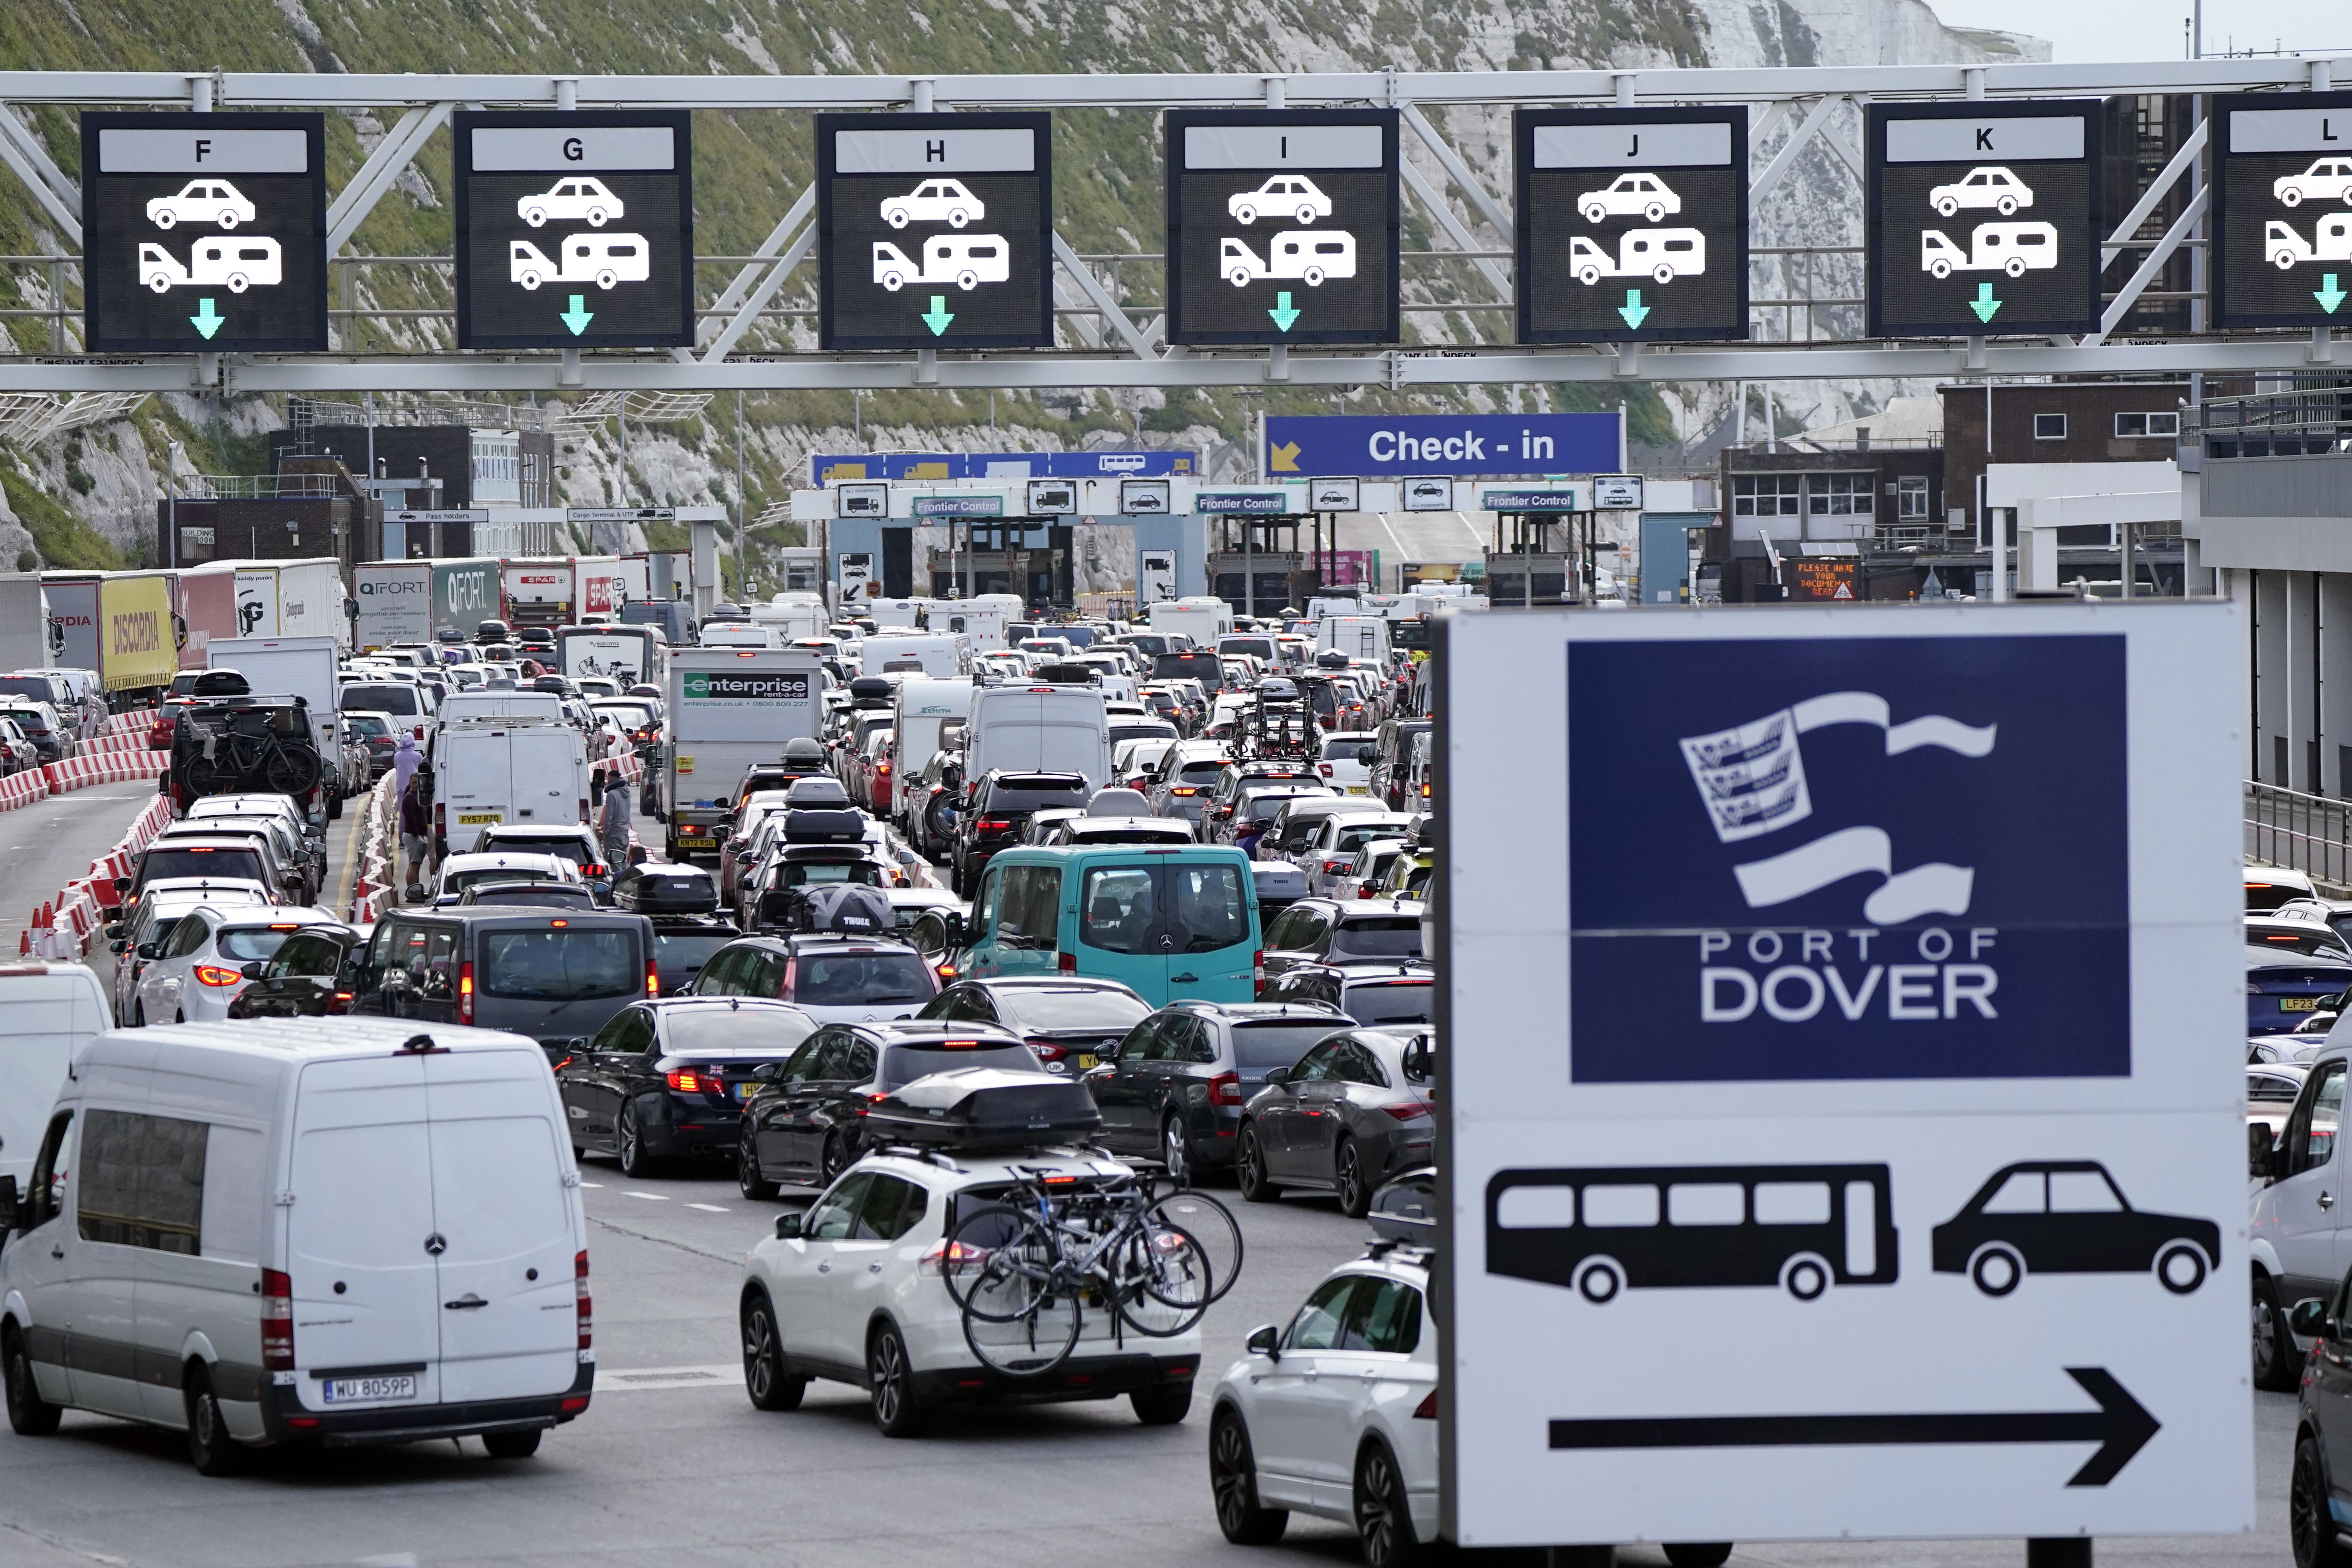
(1802, 1003)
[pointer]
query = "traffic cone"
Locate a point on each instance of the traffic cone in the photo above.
(25, 943)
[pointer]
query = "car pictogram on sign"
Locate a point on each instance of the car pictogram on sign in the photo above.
(2328, 180)
(1630, 195)
(1996, 188)
(202, 201)
(1294, 194)
(934, 201)
(2068, 1216)
(572, 200)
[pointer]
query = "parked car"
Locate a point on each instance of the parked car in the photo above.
(1172, 1090)
(1353, 1111)
(667, 1079)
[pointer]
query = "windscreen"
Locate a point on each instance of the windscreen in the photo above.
(1259, 1048)
(37, 686)
(387, 698)
(460, 880)
(559, 965)
(572, 849)
(1075, 1008)
(249, 944)
(1354, 838)
(1343, 748)
(680, 955)
(1004, 796)
(1378, 936)
(1391, 1002)
(862, 979)
(542, 895)
(1259, 648)
(698, 1031)
(163, 862)
(902, 1065)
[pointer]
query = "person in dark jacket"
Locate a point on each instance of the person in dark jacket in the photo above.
(416, 830)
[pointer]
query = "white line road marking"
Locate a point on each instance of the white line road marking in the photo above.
(598, 1184)
(709, 1208)
(723, 1375)
(649, 1197)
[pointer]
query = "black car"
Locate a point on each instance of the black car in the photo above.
(2067, 1216)
(2318, 1497)
(1337, 931)
(1175, 1087)
(1374, 993)
(684, 944)
(999, 807)
(807, 1121)
(555, 977)
(303, 979)
(667, 1079)
(660, 888)
(1355, 1110)
(1070, 1023)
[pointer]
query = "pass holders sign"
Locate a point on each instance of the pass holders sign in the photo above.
(1633, 223)
(205, 233)
(574, 230)
(1282, 226)
(869, 500)
(1799, 1000)
(2283, 209)
(935, 231)
(1334, 495)
(1982, 219)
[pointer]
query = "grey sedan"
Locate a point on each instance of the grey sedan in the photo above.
(1354, 1111)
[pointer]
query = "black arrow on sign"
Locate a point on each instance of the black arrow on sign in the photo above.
(2121, 1426)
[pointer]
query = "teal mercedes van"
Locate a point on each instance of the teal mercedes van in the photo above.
(1172, 922)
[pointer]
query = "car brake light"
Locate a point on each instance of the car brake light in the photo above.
(1406, 1109)
(584, 808)
(1067, 962)
(586, 1303)
(1048, 1050)
(692, 1082)
(214, 974)
(1424, 792)
(1258, 971)
(1225, 1088)
(1185, 789)
(1324, 768)
(277, 1321)
(466, 992)
(653, 978)
(1427, 1409)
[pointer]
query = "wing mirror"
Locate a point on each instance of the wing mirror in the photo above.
(788, 1227)
(122, 884)
(250, 971)
(1366, 755)
(2308, 1319)
(148, 950)
(766, 1071)
(1277, 1076)
(1267, 1339)
(2260, 1150)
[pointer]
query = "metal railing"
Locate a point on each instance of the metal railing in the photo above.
(2280, 424)
(2307, 833)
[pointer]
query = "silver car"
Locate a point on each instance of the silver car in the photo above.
(201, 968)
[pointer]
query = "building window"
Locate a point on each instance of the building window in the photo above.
(2148, 425)
(1911, 497)
(2049, 427)
(1766, 495)
(1840, 495)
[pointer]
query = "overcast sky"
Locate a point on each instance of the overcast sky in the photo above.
(2151, 29)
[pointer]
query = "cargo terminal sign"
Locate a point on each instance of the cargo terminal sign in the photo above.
(1282, 226)
(2283, 209)
(574, 230)
(205, 232)
(935, 231)
(1633, 223)
(1465, 446)
(1982, 219)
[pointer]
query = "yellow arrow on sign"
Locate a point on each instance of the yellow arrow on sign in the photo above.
(1286, 458)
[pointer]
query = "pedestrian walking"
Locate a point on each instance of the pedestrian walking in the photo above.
(613, 820)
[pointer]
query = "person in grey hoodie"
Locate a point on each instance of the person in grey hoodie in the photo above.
(613, 820)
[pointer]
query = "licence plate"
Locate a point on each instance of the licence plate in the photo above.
(1085, 1060)
(1357, 789)
(350, 1390)
(746, 1090)
(2298, 1003)
(466, 818)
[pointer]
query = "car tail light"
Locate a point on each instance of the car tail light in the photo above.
(1406, 1109)
(693, 1082)
(1185, 790)
(592, 869)
(340, 1002)
(1424, 792)
(587, 1306)
(653, 978)
(1049, 1051)
(1258, 971)
(1323, 768)
(1341, 864)
(1225, 1088)
(214, 974)
(1067, 963)
(1427, 1409)
(935, 1257)
(277, 1321)
(440, 818)
(466, 992)
(994, 824)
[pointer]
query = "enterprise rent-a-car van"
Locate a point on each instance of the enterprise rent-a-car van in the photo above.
(341, 1230)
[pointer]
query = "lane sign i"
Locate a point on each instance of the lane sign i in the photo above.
(205, 232)
(574, 230)
(1852, 1037)
(1282, 226)
(2282, 209)
(1982, 217)
(935, 231)
(1633, 223)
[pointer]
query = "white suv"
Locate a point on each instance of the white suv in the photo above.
(851, 1290)
(1279, 1441)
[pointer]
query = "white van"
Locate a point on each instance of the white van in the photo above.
(54, 1009)
(492, 773)
(942, 656)
(1357, 637)
(330, 1229)
(922, 709)
(1038, 729)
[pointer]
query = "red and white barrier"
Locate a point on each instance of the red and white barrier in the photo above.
(133, 741)
(24, 788)
(107, 767)
(65, 929)
(376, 881)
(136, 721)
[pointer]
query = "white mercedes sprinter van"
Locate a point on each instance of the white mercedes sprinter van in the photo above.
(53, 1010)
(341, 1230)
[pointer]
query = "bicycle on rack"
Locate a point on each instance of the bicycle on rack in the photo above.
(1025, 1270)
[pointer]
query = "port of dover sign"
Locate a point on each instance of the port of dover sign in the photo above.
(1854, 1142)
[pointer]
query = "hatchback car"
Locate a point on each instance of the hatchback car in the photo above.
(459, 872)
(1069, 1021)
(2283, 990)
(667, 1079)
(1173, 1090)
(1325, 930)
(201, 968)
(1356, 1109)
(1380, 994)
(806, 1121)
(840, 980)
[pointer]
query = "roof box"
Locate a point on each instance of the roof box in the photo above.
(980, 1108)
(844, 827)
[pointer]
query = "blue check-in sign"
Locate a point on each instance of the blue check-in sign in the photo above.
(1464, 445)
(1852, 859)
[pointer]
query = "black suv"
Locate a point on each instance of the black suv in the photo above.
(1337, 931)
(1175, 1088)
(1000, 806)
(839, 979)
